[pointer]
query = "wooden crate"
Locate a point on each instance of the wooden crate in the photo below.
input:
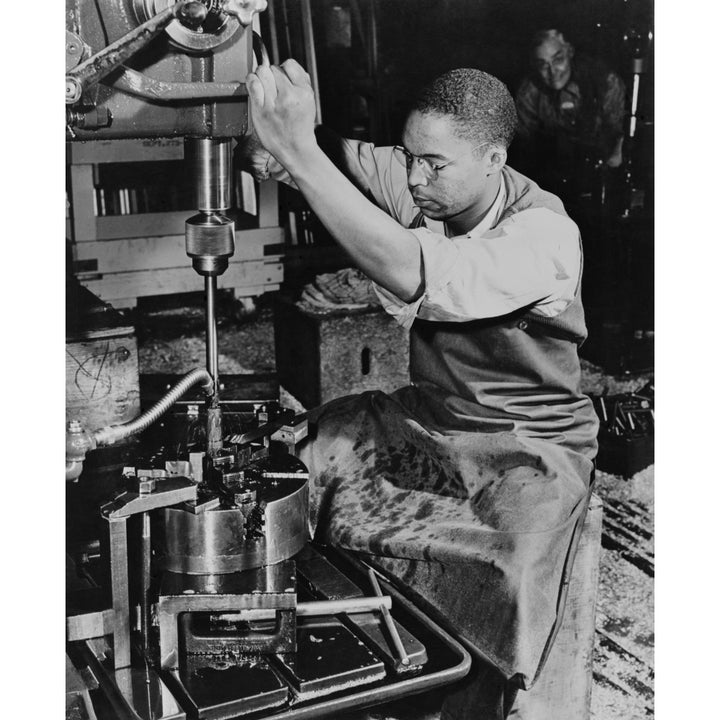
(321, 356)
(102, 384)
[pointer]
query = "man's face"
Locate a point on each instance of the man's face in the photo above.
(459, 182)
(553, 62)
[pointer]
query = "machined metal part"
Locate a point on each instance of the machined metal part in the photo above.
(89, 625)
(204, 633)
(148, 85)
(315, 571)
(211, 688)
(230, 540)
(216, 27)
(316, 608)
(269, 587)
(328, 656)
(120, 589)
(214, 416)
(209, 162)
(320, 673)
(210, 242)
(88, 118)
(171, 490)
(96, 67)
(75, 49)
(210, 235)
(145, 584)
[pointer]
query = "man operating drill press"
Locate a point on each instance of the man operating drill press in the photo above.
(469, 486)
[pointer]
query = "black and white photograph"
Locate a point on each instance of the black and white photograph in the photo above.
(359, 311)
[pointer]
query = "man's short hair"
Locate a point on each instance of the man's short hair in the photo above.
(482, 107)
(541, 36)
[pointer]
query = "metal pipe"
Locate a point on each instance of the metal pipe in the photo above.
(113, 433)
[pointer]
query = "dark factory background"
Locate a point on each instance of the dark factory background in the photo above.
(372, 58)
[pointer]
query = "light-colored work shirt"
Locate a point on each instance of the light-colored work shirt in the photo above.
(531, 258)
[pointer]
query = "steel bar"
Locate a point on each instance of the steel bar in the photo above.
(389, 622)
(317, 608)
(89, 625)
(120, 592)
(211, 329)
(145, 588)
(145, 86)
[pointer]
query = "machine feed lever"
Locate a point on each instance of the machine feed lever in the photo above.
(96, 67)
(389, 622)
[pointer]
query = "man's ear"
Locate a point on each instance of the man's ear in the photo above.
(570, 51)
(497, 159)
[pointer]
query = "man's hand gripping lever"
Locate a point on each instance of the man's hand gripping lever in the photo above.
(283, 110)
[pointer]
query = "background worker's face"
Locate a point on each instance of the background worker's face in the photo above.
(462, 176)
(553, 63)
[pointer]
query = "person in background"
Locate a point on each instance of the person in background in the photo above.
(571, 112)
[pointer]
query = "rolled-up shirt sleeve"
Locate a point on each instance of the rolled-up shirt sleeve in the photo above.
(531, 258)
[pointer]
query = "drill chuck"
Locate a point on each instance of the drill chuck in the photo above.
(210, 242)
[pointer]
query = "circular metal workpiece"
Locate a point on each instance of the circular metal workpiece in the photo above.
(217, 27)
(272, 529)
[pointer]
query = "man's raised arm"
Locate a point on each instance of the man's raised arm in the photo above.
(283, 111)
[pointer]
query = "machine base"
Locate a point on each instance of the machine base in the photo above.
(342, 662)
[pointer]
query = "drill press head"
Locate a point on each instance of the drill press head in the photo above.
(210, 235)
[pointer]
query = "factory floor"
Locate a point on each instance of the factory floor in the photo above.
(171, 340)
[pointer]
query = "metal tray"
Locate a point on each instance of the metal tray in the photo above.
(135, 693)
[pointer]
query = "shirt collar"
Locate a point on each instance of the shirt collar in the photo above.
(492, 216)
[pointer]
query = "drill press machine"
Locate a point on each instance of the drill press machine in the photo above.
(214, 605)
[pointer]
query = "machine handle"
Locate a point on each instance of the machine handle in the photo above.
(96, 67)
(137, 83)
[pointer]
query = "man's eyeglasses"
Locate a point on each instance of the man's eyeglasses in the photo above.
(430, 169)
(557, 62)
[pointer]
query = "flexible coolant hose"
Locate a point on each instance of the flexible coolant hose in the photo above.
(114, 433)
